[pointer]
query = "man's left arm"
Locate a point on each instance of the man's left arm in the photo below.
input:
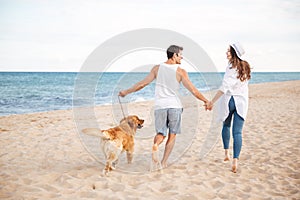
(189, 85)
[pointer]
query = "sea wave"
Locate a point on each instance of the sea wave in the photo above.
(27, 92)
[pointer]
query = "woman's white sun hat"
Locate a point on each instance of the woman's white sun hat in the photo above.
(238, 49)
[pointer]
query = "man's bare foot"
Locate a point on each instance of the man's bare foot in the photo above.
(164, 164)
(154, 153)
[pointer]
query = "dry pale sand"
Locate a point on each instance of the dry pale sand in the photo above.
(42, 155)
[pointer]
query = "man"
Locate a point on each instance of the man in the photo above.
(168, 107)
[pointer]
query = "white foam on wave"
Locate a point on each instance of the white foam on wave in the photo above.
(140, 99)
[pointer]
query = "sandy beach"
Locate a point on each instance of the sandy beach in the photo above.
(43, 156)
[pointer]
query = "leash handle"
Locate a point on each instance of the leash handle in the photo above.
(121, 106)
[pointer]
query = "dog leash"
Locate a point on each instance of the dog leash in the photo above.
(121, 106)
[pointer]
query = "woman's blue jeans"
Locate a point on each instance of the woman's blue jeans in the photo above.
(237, 126)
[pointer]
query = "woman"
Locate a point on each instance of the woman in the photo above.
(234, 100)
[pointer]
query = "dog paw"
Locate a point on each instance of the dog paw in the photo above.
(105, 172)
(111, 168)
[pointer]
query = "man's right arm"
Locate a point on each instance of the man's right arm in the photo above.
(140, 85)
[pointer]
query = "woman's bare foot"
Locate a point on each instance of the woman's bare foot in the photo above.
(226, 155)
(226, 158)
(234, 165)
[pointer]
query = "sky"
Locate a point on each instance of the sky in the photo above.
(59, 35)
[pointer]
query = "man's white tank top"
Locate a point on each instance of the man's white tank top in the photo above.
(167, 87)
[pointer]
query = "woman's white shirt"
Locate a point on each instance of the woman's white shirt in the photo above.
(233, 86)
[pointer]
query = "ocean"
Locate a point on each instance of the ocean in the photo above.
(30, 92)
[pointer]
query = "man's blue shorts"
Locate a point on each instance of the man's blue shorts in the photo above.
(168, 119)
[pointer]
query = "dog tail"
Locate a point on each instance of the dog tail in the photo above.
(95, 132)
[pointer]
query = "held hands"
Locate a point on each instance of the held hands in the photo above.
(208, 105)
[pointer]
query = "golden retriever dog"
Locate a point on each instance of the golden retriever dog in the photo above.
(116, 140)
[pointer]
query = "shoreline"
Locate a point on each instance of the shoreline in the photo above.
(146, 101)
(45, 158)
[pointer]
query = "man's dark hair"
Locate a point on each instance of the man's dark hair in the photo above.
(173, 49)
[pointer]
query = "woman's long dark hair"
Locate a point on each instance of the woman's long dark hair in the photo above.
(243, 67)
